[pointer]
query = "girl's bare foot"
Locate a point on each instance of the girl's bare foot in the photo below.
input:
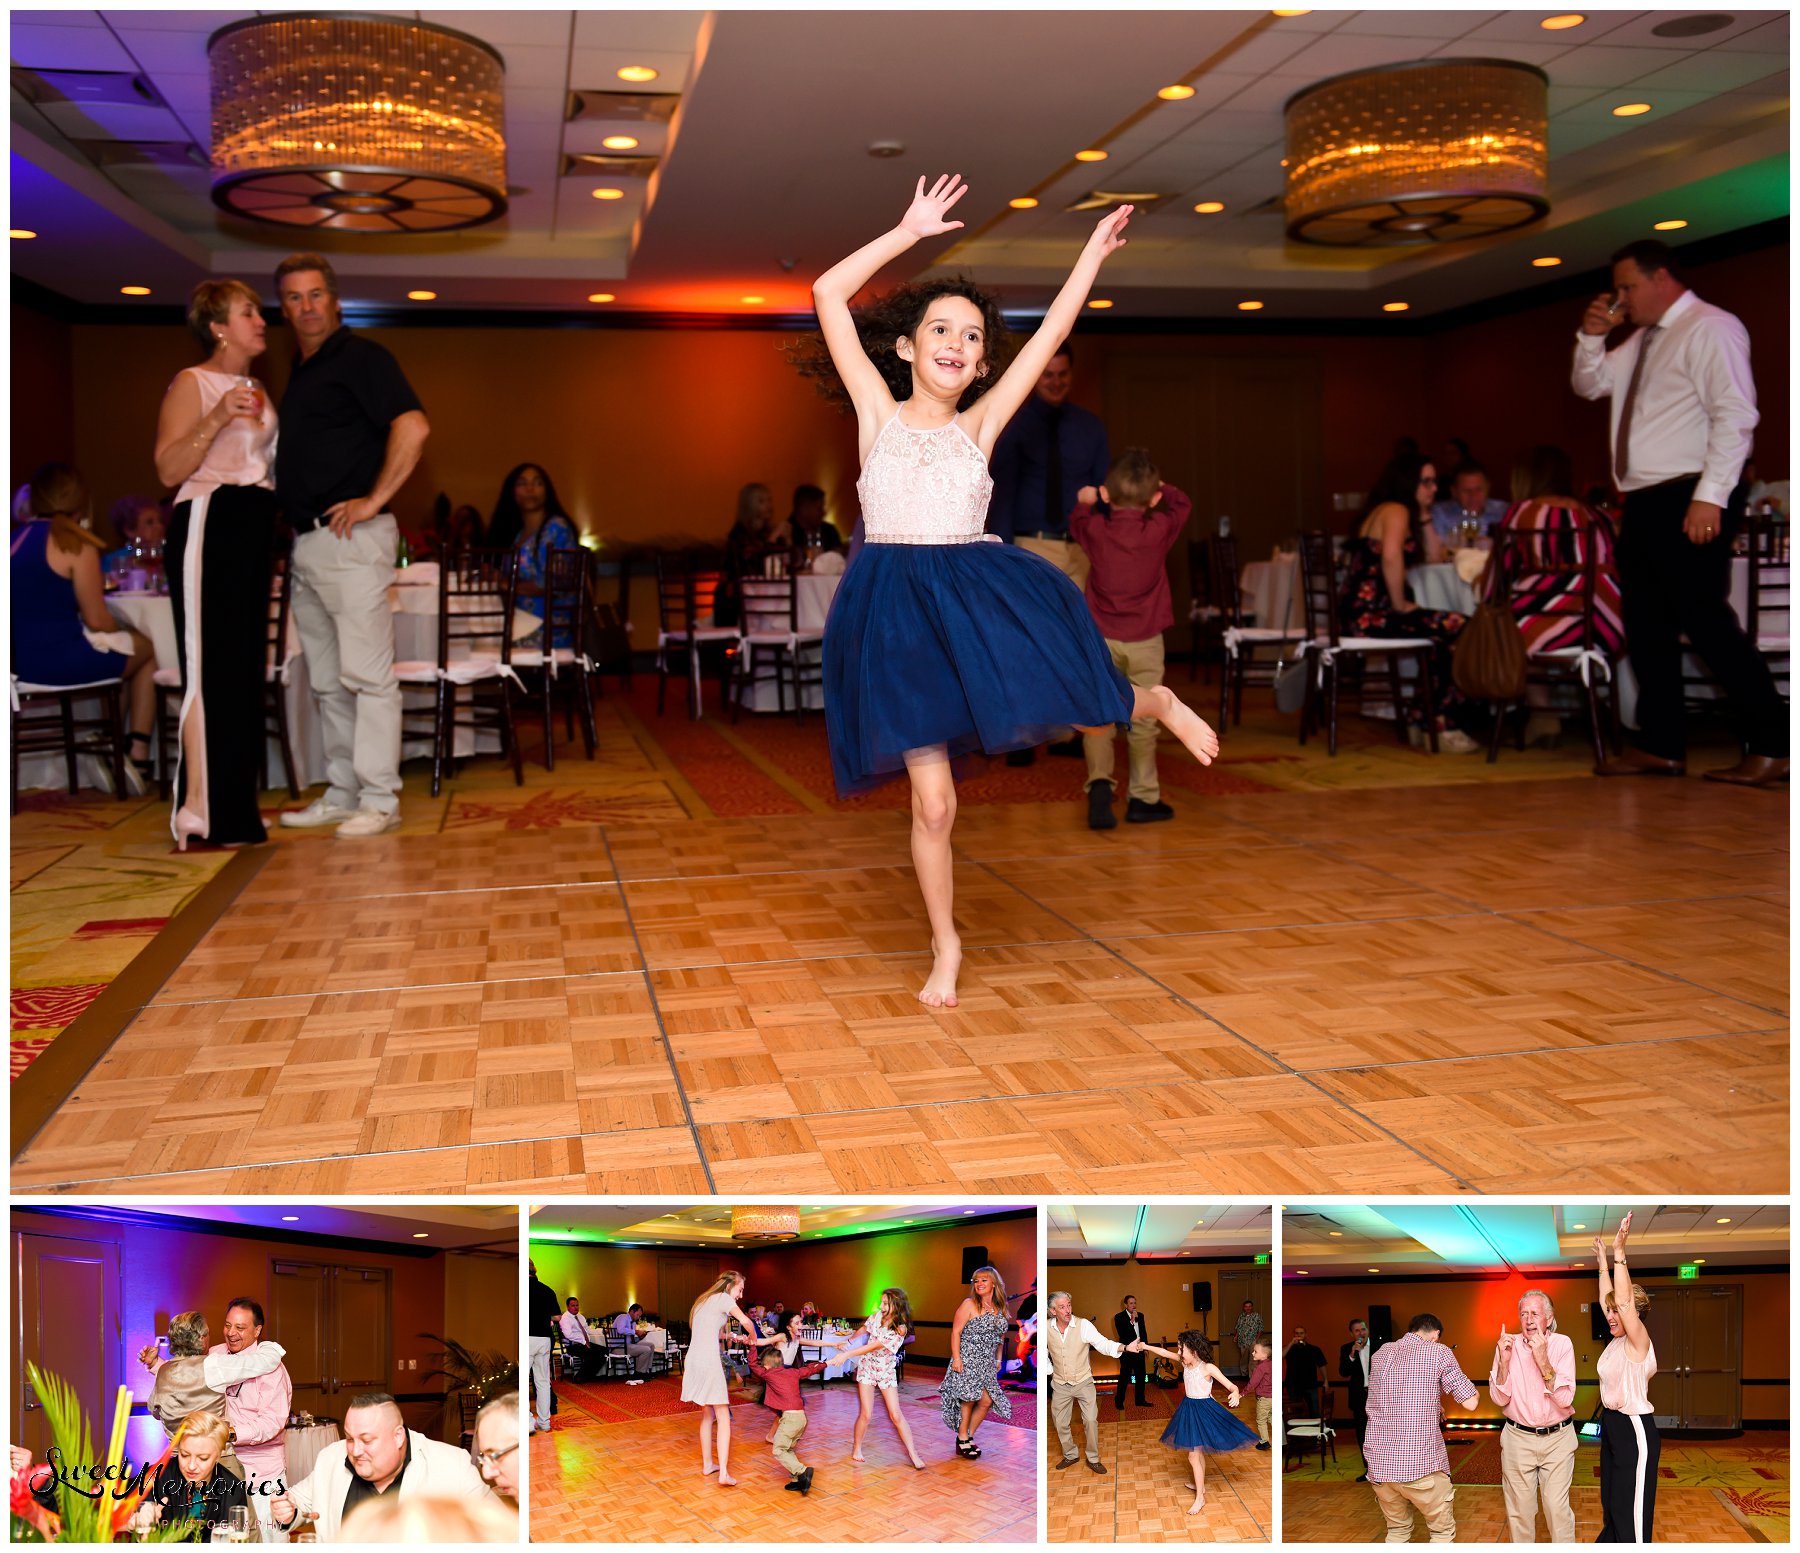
(727, 1482)
(1197, 1506)
(859, 1457)
(939, 990)
(1185, 723)
(707, 1469)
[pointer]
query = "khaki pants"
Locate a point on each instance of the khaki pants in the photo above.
(1063, 1400)
(787, 1436)
(1265, 1410)
(1430, 1495)
(1064, 554)
(346, 628)
(1142, 664)
(1534, 1466)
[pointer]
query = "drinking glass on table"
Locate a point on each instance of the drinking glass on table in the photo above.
(239, 1522)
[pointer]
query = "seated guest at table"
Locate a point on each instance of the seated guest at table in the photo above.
(1375, 600)
(140, 524)
(1470, 502)
(807, 525)
(626, 1325)
(529, 518)
(655, 1333)
(581, 1352)
(195, 1484)
(215, 439)
(1561, 528)
(192, 1380)
(62, 633)
(497, 1447)
(378, 1456)
(467, 531)
(753, 533)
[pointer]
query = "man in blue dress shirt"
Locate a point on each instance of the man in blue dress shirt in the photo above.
(1469, 502)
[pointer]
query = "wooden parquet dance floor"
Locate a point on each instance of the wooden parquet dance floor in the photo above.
(1700, 1480)
(1147, 1488)
(641, 1481)
(1513, 987)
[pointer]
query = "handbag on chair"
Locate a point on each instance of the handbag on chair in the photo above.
(1488, 661)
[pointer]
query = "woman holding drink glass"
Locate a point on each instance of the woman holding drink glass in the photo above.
(215, 439)
(193, 1486)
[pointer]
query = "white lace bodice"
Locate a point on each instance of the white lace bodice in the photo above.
(1195, 1382)
(924, 487)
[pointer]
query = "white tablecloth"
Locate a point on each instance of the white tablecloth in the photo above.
(811, 1352)
(1440, 587)
(812, 600)
(1271, 592)
(303, 1445)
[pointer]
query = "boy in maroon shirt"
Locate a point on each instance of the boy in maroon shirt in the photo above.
(1127, 528)
(781, 1394)
(1261, 1385)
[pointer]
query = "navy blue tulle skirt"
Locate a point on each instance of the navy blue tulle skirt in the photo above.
(1206, 1423)
(976, 647)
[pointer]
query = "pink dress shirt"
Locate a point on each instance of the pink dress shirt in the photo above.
(258, 1410)
(1524, 1397)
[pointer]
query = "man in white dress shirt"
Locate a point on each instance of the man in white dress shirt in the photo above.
(1683, 408)
(1068, 1338)
(580, 1355)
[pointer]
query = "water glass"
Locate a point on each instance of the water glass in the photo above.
(240, 1523)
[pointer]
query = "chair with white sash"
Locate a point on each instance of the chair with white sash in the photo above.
(1243, 640)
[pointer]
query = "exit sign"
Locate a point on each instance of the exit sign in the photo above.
(1688, 1270)
(1262, 1258)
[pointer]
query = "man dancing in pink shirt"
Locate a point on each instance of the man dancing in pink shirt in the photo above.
(257, 1409)
(1533, 1379)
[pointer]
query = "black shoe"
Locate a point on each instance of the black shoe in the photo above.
(793, 1486)
(1262, 1445)
(806, 1481)
(1067, 1461)
(1100, 809)
(1362, 1477)
(1021, 757)
(1094, 1466)
(1143, 1401)
(1071, 747)
(1137, 812)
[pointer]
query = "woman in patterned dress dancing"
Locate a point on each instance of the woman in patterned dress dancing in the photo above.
(972, 1386)
(936, 645)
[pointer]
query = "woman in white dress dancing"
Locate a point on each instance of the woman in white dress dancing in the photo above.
(703, 1371)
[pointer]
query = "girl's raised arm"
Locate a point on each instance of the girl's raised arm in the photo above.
(988, 416)
(832, 292)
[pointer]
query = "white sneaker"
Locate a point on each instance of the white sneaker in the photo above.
(321, 811)
(370, 822)
(1453, 741)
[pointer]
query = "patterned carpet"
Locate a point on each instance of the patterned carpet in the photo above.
(94, 880)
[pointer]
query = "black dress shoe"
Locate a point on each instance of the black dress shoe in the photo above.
(1094, 1466)
(1262, 1445)
(1067, 1461)
(806, 1481)
(1138, 812)
(1362, 1477)
(1753, 771)
(1100, 809)
(793, 1486)
(1072, 748)
(1020, 757)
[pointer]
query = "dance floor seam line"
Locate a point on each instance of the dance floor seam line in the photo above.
(1211, 1018)
(662, 1029)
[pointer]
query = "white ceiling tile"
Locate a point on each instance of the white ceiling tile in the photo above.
(67, 48)
(1338, 53)
(1226, 127)
(501, 29)
(1604, 66)
(1426, 26)
(1531, 53)
(1267, 51)
(113, 121)
(1769, 34)
(177, 51)
(673, 31)
(1523, 27)
(1640, 29)
(1268, 94)
(1568, 136)
(1717, 70)
(202, 22)
(536, 67)
(1599, 107)
(1563, 98)
(55, 19)
(184, 91)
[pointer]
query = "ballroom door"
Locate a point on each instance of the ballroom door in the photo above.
(680, 1280)
(1697, 1331)
(1237, 1284)
(68, 1326)
(336, 1324)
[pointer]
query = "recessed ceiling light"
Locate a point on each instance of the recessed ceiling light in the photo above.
(1290, 13)
(1374, 1269)
(1337, 1234)
(421, 1234)
(1670, 226)
(421, 296)
(1209, 207)
(1562, 23)
(752, 301)
(1548, 262)
(1176, 93)
(1301, 1272)
(1091, 156)
(620, 142)
(602, 296)
(1249, 307)
(1630, 110)
(1721, 1221)
(1023, 202)
(967, 1212)
(1099, 301)
(134, 291)
(1395, 307)
(1698, 1260)
(609, 194)
(638, 73)
(290, 1218)
(23, 232)
(1578, 1226)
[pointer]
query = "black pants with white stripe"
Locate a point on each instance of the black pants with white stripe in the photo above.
(1629, 1450)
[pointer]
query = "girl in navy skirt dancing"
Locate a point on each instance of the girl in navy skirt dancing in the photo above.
(937, 645)
(1200, 1424)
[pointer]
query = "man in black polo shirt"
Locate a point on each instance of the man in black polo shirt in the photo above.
(351, 433)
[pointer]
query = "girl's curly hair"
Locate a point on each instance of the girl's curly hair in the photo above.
(885, 319)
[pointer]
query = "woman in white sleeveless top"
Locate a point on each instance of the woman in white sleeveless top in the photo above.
(215, 439)
(1629, 1444)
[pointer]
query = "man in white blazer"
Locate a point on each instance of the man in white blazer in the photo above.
(378, 1455)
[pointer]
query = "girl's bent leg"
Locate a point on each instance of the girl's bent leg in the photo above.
(891, 1396)
(933, 814)
(1178, 717)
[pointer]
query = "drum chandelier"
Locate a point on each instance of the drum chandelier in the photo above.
(778, 1223)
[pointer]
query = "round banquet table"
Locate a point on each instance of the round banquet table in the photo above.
(303, 1442)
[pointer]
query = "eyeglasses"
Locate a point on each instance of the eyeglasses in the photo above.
(493, 1458)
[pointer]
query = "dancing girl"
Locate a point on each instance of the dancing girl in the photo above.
(937, 645)
(888, 1330)
(703, 1371)
(1629, 1444)
(1200, 1424)
(972, 1386)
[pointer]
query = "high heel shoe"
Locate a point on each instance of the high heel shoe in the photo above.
(187, 824)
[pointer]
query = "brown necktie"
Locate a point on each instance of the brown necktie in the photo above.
(1622, 442)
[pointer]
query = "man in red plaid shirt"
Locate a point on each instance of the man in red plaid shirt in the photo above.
(1408, 1466)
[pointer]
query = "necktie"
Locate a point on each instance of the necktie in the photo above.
(1055, 514)
(1622, 442)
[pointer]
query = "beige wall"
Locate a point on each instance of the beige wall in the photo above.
(1164, 1293)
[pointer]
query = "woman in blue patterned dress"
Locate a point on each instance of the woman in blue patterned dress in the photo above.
(972, 1385)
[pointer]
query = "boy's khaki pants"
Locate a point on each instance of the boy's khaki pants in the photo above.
(787, 1436)
(1142, 664)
